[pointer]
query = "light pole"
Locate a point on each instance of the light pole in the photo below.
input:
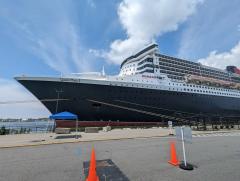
(58, 95)
(76, 136)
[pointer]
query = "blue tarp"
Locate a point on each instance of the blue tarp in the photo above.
(63, 115)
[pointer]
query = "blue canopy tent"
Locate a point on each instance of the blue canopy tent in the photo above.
(63, 115)
(66, 116)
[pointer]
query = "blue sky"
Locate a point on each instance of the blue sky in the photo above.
(54, 37)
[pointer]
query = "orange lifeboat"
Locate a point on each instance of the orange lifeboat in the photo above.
(210, 81)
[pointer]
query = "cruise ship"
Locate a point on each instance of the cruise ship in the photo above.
(150, 87)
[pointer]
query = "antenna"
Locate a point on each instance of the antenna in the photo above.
(103, 71)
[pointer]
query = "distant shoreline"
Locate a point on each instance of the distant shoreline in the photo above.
(23, 120)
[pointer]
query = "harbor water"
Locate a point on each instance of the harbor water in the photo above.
(28, 126)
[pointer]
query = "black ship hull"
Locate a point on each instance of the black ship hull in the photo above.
(95, 102)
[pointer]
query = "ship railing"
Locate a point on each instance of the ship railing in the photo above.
(94, 75)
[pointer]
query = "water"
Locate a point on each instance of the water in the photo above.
(33, 126)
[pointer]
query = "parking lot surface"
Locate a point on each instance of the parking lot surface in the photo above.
(216, 158)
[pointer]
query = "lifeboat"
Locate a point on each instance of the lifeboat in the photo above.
(211, 81)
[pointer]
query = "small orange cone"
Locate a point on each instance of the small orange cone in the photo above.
(174, 160)
(92, 174)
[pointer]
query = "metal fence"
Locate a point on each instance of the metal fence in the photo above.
(26, 127)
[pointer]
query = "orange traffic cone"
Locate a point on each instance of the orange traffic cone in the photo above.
(174, 160)
(92, 174)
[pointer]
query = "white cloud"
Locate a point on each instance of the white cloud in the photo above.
(144, 20)
(221, 60)
(212, 27)
(62, 52)
(48, 32)
(10, 92)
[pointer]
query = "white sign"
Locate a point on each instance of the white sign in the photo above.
(187, 134)
(170, 124)
(170, 127)
(184, 134)
(178, 133)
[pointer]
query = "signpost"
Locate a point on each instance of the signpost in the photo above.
(184, 134)
(76, 136)
(170, 126)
